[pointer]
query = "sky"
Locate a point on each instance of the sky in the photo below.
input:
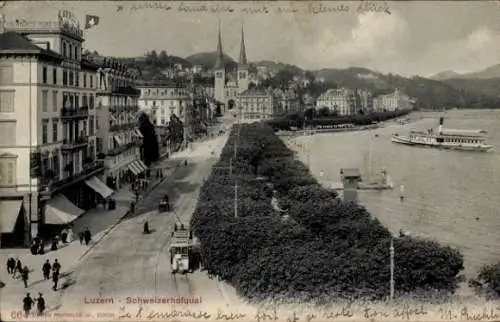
(405, 38)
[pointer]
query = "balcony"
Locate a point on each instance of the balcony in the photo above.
(74, 113)
(77, 143)
(121, 149)
(53, 184)
(122, 127)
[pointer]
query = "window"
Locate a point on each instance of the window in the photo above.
(8, 171)
(91, 125)
(7, 132)
(44, 75)
(77, 79)
(54, 101)
(70, 51)
(91, 79)
(6, 75)
(54, 76)
(7, 101)
(76, 53)
(71, 79)
(91, 101)
(45, 101)
(84, 80)
(65, 78)
(65, 49)
(54, 130)
(97, 126)
(84, 101)
(45, 130)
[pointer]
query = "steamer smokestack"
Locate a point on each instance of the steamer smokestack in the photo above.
(441, 120)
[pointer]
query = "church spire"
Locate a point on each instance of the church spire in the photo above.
(243, 52)
(219, 63)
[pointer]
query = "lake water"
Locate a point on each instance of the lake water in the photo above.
(451, 196)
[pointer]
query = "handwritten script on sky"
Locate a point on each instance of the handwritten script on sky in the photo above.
(256, 8)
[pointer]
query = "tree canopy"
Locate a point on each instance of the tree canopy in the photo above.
(150, 151)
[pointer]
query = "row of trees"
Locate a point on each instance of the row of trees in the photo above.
(311, 118)
(315, 246)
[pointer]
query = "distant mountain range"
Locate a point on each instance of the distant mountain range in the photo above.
(487, 73)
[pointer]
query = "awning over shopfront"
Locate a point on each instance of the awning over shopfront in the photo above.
(138, 133)
(118, 140)
(99, 187)
(9, 212)
(59, 211)
(137, 167)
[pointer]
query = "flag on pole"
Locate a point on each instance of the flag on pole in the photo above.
(91, 21)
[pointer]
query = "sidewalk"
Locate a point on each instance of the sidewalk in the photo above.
(99, 221)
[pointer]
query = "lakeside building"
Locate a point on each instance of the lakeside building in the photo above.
(49, 171)
(365, 101)
(118, 136)
(288, 101)
(341, 101)
(257, 104)
(229, 82)
(394, 101)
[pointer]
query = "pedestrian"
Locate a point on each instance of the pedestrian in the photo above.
(27, 304)
(19, 267)
(41, 248)
(11, 265)
(53, 247)
(87, 236)
(25, 276)
(80, 235)
(40, 304)
(64, 234)
(69, 237)
(146, 227)
(56, 265)
(55, 279)
(46, 270)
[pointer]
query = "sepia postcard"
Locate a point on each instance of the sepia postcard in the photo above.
(295, 161)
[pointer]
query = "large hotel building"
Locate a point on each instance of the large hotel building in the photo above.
(62, 134)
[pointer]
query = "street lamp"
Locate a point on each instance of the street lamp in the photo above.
(391, 251)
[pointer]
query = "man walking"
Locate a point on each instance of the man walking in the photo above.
(27, 304)
(40, 304)
(25, 276)
(56, 265)
(55, 279)
(80, 235)
(11, 265)
(87, 236)
(46, 270)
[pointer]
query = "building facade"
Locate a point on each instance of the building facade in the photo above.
(49, 171)
(341, 101)
(365, 101)
(288, 101)
(230, 83)
(118, 136)
(164, 101)
(257, 104)
(394, 101)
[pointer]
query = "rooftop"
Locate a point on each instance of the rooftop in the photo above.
(14, 43)
(257, 92)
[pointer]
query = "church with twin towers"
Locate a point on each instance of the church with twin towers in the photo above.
(230, 81)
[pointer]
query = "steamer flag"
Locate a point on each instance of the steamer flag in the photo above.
(91, 21)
